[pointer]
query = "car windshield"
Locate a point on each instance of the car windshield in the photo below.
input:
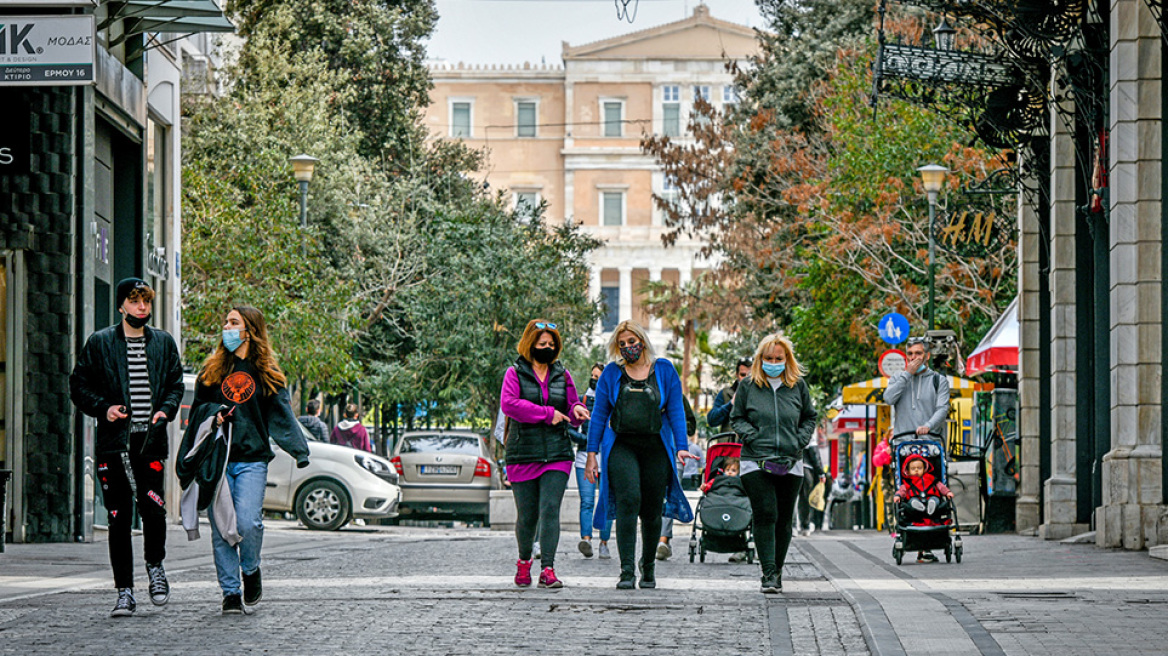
(467, 444)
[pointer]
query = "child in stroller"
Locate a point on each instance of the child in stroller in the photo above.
(723, 515)
(925, 515)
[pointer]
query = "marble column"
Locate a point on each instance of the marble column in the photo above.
(1132, 486)
(626, 293)
(1029, 371)
(1059, 492)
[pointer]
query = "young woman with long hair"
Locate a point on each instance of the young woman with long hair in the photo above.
(242, 390)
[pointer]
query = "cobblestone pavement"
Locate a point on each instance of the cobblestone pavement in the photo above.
(399, 590)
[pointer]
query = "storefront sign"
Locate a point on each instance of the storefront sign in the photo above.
(46, 50)
(979, 228)
(15, 136)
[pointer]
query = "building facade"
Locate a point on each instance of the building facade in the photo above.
(569, 136)
(90, 198)
(1091, 306)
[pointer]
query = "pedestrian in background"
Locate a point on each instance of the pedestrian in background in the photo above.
(775, 420)
(718, 418)
(241, 386)
(112, 383)
(812, 476)
(313, 423)
(349, 431)
(540, 399)
(691, 477)
(586, 488)
(638, 431)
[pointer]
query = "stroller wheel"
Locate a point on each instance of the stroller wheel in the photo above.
(898, 554)
(750, 556)
(693, 550)
(702, 555)
(948, 553)
(957, 553)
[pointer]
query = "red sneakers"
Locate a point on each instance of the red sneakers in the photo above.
(523, 573)
(547, 579)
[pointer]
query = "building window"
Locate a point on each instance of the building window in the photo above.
(612, 208)
(610, 299)
(702, 92)
(525, 118)
(671, 111)
(460, 119)
(729, 95)
(526, 204)
(613, 116)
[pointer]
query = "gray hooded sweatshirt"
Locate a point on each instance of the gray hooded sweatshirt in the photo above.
(918, 400)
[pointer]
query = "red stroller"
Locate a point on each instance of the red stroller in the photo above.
(722, 521)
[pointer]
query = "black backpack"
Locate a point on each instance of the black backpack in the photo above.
(638, 406)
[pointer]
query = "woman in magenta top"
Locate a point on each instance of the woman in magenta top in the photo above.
(540, 401)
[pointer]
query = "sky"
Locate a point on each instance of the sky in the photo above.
(517, 31)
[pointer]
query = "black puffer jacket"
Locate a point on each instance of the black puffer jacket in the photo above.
(101, 379)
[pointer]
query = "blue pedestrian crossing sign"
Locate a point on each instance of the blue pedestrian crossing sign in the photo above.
(893, 328)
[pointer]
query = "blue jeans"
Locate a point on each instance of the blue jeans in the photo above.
(247, 481)
(587, 506)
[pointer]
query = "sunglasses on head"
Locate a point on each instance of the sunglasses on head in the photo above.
(546, 326)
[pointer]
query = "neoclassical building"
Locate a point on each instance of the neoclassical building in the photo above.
(569, 136)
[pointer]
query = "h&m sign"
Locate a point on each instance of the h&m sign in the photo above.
(47, 50)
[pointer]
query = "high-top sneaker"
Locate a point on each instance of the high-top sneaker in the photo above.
(159, 586)
(628, 579)
(126, 604)
(547, 579)
(523, 573)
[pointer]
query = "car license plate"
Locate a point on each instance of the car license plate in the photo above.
(440, 469)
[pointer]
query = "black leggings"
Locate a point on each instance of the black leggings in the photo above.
(538, 505)
(638, 478)
(119, 500)
(772, 502)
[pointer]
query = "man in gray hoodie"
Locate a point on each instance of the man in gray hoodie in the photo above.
(918, 395)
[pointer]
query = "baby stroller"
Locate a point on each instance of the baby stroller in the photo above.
(723, 516)
(913, 532)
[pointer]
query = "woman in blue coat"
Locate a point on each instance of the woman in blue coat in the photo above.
(638, 429)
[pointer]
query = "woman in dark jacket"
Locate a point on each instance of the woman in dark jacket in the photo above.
(775, 420)
(540, 401)
(242, 385)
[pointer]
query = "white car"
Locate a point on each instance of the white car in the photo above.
(339, 484)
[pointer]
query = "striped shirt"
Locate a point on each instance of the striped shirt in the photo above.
(139, 380)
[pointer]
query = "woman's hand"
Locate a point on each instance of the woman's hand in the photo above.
(684, 455)
(558, 416)
(580, 413)
(591, 469)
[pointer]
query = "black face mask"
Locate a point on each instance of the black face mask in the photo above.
(544, 355)
(592, 383)
(135, 322)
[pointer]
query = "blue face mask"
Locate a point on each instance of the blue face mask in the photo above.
(774, 370)
(232, 340)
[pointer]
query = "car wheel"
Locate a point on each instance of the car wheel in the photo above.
(322, 505)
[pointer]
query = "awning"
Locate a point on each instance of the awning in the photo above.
(872, 391)
(169, 17)
(998, 350)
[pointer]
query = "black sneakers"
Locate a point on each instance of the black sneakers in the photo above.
(232, 604)
(126, 604)
(159, 586)
(772, 584)
(648, 575)
(253, 588)
(628, 581)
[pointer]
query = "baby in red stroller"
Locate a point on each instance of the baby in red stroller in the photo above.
(924, 493)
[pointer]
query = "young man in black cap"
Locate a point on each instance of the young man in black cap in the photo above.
(129, 378)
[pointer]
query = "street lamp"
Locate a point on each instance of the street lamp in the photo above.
(933, 178)
(302, 167)
(944, 35)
